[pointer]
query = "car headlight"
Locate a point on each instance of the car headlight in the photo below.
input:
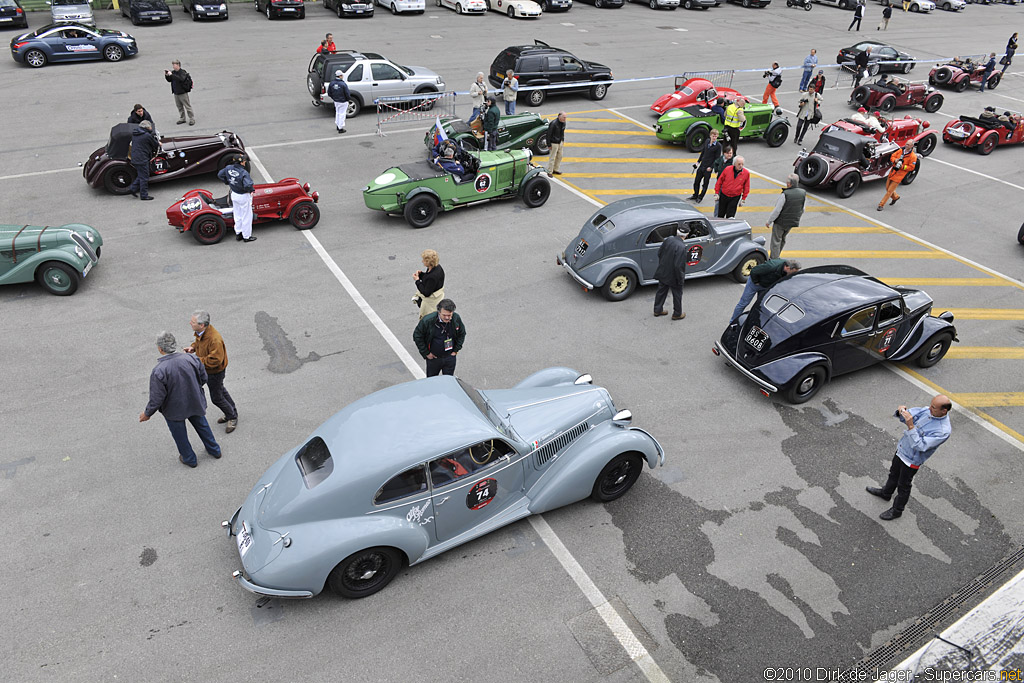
(78, 252)
(88, 236)
(223, 7)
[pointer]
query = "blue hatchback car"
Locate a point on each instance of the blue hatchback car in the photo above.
(71, 43)
(406, 473)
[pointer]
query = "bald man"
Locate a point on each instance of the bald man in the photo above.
(927, 429)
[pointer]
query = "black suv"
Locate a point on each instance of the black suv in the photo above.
(541, 64)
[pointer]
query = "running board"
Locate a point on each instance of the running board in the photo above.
(514, 513)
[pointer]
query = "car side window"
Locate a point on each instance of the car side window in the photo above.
(467, 461)
(889, 312)
(530, 65)
(355, 75)
(697, 229)
(384, 72)
(661, 233)
(888, 52)
(408, 483)
(570, 64)
(554, 64)
(860, 321)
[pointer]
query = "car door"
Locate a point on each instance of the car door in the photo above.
(855, 343)
(472, 485)
(650, 240)
(701, 247)
(386, 80)
(887, 54)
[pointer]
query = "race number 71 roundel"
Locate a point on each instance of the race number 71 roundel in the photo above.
(481, 494)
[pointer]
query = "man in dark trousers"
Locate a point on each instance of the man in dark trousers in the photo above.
(990, 67)
(338, 91)
(176, 390)
(927, 429)
(858, 14)
(670, 274)
(556, 138)
(886, 16)
(732, 188)
(439, 337)
(789, 208)
(705, 166)
(181, 86)
(860, 65)
(762, 277)
(209, 347)
(492, 119)
(144, 146)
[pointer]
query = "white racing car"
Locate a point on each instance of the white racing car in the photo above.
(464, 6)
(516, 8)
(403, 6)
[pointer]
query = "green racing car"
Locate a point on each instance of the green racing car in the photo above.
(420, 189)
(691, 125)
(518, 131)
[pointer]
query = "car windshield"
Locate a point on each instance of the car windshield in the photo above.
(483, 406)
(57, 3)
(407, 70)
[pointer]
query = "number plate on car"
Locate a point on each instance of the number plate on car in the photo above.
(581, 248)
(756, 338)
(244, 539)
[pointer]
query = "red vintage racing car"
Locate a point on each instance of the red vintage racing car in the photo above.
(209, 218)
(694, 91)
(958, 74)
(987, 131)
(887, 93)
(896, 130)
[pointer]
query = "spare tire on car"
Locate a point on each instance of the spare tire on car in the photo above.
(812, 170)
(944, 75)
(861, 95)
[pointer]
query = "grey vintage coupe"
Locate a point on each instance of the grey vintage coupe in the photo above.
(416, 469)
(617, 249)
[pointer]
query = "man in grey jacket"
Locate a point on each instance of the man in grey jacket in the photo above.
(176, 390)
(670, 274)
(789, 208)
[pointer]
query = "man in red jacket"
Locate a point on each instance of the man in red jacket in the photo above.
(732, 188)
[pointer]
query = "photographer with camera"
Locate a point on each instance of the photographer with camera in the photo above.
(903, 162)
(181, 86)
(774, 76)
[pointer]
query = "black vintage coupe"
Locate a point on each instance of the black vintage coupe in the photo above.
(110, 168)
(829, 320)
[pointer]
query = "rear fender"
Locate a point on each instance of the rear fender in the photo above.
(597, 273)
(192, 217)
(736, 251)
(781, 371)
(571, 476)
(927, 328)
(549, 377)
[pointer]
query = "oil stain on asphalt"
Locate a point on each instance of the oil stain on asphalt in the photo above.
(807, 576)
(284, 357)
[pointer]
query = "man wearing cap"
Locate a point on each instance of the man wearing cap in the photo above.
(242, 189)
(338, 91)
(862, 118)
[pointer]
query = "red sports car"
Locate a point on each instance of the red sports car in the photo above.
(208, 219)
(694, 91)
(987, 131)
(888, 93)
(960, 74)
(895, 130)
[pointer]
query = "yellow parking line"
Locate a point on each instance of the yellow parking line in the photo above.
(596, 121)
(687, 191)
(945, 281)
(630, 121)
(844, 254)
(983, 313)
(988, 352)
(615, 145)
(629, 160)
(594, 131)
(966, 404)
(627, 175)
(742, 209)
(831, 229)
(999, 399)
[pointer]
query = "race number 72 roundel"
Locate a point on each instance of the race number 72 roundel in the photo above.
(481, 494)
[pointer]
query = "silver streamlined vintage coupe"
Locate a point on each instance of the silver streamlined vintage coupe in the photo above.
(416, 469)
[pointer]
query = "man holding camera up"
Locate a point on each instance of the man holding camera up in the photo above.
(903, 162)
(774, 76)
(181, 86)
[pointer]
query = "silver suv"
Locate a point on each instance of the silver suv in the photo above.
(369, 76)
(72, 11)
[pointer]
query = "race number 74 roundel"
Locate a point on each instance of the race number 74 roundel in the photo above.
(481, 494)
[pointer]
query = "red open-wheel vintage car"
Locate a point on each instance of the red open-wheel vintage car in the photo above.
(209, 218)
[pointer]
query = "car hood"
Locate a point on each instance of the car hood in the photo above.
(729, 227)
(423, 73)
(539, 414)
(151, 6)
(668, 101)
(596, 66)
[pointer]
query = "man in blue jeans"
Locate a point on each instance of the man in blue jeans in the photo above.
(761, 278)
(810, 61)
(176, 390)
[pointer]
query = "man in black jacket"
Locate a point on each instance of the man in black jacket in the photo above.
(181, 86)
(139, 114)
(556, 137)
(144, 147)
(439, 337)
(670, 274)
(705, 165)
(761, 278)
(858, 14)
(860, 65)
(492, 119)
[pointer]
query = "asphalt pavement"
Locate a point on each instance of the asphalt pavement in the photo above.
(754, 547)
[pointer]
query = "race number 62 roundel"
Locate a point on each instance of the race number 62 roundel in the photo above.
(482, 182)
(481, 494)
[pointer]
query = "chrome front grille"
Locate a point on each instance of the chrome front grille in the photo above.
(84, 244)
(551, 448)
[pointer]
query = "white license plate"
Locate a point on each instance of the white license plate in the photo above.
(88, 267)
(289, 9)
(6, 19)
(756, 338)
(244, 540)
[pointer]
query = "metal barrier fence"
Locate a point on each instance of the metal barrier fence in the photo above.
(719, 79)
(406, 108)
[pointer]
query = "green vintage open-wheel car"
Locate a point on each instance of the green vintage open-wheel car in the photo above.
(691, 125)
(419, 190)
(518, 131)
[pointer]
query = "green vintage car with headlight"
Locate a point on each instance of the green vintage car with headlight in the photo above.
(419, 190)
(691, 125)
(58, 258)
(518, 131)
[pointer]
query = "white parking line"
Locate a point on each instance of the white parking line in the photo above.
(335, 137)
(630, 643)
(978, 173)
(34, 173)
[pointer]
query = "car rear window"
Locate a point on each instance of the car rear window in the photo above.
(405, 484)
(791, 313)
(774, 302)
(314, 461)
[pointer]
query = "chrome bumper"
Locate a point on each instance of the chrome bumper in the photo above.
(560, 259)
(747, 373)
(269, 592)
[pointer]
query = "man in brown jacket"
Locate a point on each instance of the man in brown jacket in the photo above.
(209, 347)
